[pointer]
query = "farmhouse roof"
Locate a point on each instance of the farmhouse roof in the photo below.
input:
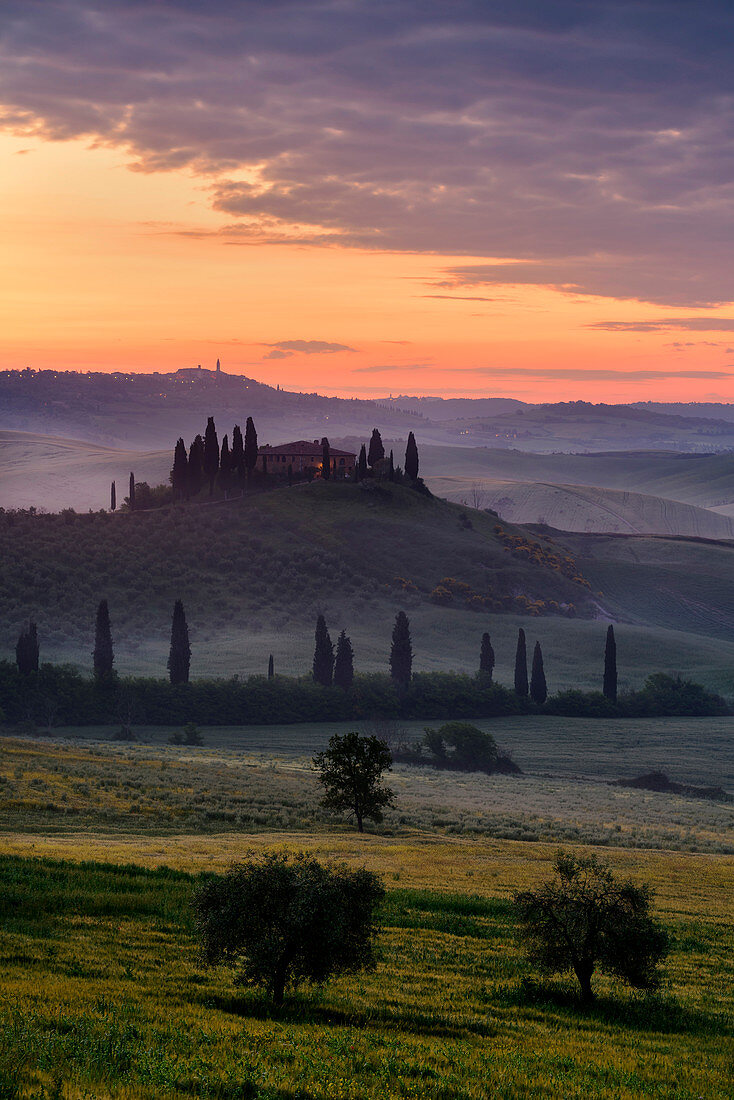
(303, 447)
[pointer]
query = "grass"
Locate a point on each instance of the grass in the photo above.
(104, 994)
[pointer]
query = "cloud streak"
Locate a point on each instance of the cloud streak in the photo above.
(593, 142)
(306, 347)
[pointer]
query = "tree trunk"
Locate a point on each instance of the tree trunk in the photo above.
(360, 827)
(583, 973)
(278, 986)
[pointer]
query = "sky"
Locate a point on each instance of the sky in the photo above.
(366, 197)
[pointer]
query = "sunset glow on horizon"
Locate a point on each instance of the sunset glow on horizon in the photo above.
(301, 191)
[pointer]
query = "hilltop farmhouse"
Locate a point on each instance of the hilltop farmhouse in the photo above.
(301, 455)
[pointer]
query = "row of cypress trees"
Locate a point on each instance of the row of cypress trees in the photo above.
(537, 687)
(206, 461)
(369, 460)
(330, 667)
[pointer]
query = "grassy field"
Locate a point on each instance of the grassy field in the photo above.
(104, 994)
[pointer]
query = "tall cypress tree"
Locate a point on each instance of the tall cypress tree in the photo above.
(179, 657)
(538, 686)
(250, 447)
(131, 496)
(211, 453)
(225, 467)
(486, 658)
(411, 458)
(401, 651)
(113, 497)
(196, 466)
(344, 663)
(271, 667)
(362, 463)
(179, 475)
(391, 468)
(27, 650)
(323, 656)
(521, 665)
(103, 655)
(610, 666)
(325, 459)
(237, 455)
(376, 452)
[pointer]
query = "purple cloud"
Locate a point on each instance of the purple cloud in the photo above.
(307, 347)
(592, 141)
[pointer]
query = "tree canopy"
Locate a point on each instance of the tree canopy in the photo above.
(350, 770)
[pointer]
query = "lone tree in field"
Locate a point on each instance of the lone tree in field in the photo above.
(411, 458)
(350, 771)
(325, 459)
(587, 920)
(179, 475)
(211, 453)
(179, 657)
(486, 658)
(538, 686)
(323, 655)
(250, 447)
(344, 663)
(282, 920)
(521, 665)
(610, 666)
(27, 650)
(103, 655)
(376, 452)
(196, 466)
(401, 652)
(113, 497)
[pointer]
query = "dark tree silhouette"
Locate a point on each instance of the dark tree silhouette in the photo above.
(196, 466)
(401, 652)
(250, 447)
(521, 665)
(27, 650)
(179, 657)
(271, 667)
(411, 458)
(610, 666)
(131, 496)
(538, 686)
(350, 771)
(325, 459)
(113, 497)
(362, 464)
(290, 473)
(376, 452)
(237, 455)
(179, 475)
(211, 453)
(225, 467)
(391, 468)
(103, 655)
(323, 657)
(486, 657)
(344, 663)
(587, 919)
(284, 919)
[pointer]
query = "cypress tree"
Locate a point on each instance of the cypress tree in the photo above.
(362, 464)
(271, 667)
(521, 665)
(211, 453)
(377, 451)
(411, 458)
(401, 652)
(486, 658)
(538, 686)
(250, 447)
(323, 657)
(196, 466)
(179, 475)
(113, 497)
(325, 459)
(391, 469)
(610, 666)
(179, 657)
(27, 650)
(131, 497)
(103, 655)
(344, 663)
(237, 455)
(225, 467)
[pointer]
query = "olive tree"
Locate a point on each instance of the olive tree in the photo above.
(350, 770)
(586, 919)
(281, 920)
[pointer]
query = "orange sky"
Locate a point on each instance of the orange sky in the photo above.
(106, 268)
